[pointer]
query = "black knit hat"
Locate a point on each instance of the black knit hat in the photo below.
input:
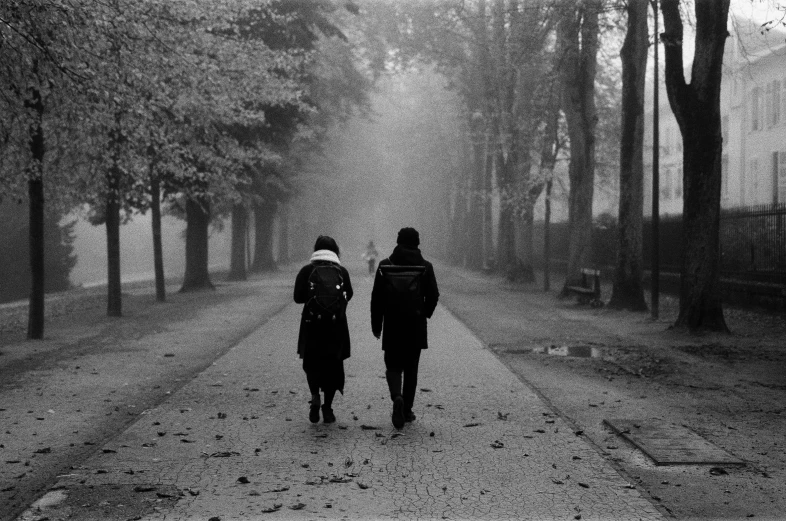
(325, 242)
(408, 237)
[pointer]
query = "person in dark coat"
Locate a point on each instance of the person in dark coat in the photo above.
(403, 337)
(323, 344)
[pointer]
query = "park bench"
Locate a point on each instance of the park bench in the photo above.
(589, 291)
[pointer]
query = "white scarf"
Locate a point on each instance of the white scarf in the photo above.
(325, 255)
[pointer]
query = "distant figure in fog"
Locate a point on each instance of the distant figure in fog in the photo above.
(404, 297)
(371, 257)
(323, 286)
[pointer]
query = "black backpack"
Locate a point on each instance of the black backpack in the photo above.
(403, 289)
(327, 299)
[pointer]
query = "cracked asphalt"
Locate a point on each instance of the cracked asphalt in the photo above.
(235, 442)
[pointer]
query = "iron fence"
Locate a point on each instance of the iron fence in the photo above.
(753, 243)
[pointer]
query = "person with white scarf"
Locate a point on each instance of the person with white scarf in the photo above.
(323, 344)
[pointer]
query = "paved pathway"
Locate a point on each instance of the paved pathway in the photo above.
(235, 443)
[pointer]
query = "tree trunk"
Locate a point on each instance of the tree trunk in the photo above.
(550, 147)
(114, 300)
(237, 260)
(547, 238)
(283, 242)
(457, 249)
(114, 296)
(264, 217)
(525, 271)
(478, 113)
(628, 289)
(578, 40)
(488, 187)
(506, 231)
(696, 107)
(476, 198)
(197, 276)
(35, 190)
(158, 248)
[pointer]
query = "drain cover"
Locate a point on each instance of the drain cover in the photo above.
(669, 444)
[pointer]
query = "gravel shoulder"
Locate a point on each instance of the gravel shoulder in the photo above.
(730, 389)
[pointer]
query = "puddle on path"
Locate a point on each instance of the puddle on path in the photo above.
(577, 351)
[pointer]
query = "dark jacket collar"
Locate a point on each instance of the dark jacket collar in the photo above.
(407, 256)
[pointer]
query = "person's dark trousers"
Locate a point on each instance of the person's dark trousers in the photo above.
(402, 366)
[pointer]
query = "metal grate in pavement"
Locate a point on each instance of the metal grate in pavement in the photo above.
(670, 444)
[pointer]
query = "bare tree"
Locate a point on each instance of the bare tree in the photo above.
(628, 291)
(577, 37)
(696, 106)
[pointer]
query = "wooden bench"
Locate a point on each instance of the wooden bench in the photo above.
(589, 291)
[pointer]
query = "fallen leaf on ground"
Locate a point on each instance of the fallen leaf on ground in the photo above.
(472, 424)
(243, 480)
(297, 506)
(368, 427)
(717, 471)
(223, 454)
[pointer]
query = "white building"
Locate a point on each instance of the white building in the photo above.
(753, 111)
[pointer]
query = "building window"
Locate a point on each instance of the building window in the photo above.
(783, 100)
(725, 130)
(754, 100)
(665, 185)
(725, 176)
(748, 186)
(775, 117)
(678, 182)
(767, 116)
(780, 191)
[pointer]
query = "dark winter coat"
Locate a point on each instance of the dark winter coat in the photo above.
(331, 342)
(403, 333)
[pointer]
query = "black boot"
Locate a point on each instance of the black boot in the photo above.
(327, 414)
(398, 412)
(313, 413)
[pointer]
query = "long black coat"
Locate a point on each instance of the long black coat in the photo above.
(403, 333)
(332, 343)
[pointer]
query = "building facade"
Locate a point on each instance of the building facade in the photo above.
(753, 112)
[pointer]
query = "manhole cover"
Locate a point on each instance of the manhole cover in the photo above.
(669, 444)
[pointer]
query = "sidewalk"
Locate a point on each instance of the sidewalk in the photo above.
(235, 443)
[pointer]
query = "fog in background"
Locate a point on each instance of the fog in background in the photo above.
(376, 174)
(393, 169)
(136, 250)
